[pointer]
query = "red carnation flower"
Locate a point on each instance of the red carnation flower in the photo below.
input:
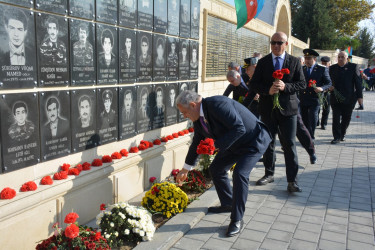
(60, 175)
(191, 129)
(91, 245)
(134, 150)
(175, 135)
(186, 131)
(86, 166)
(71, 218)
(157, 142)
(72, 231)
(206, 147)
(73, 171)
(79, 167)
(7, 193)
(116, 155)
(181, 133)
(97, 163)
(285, 71)
(155, 190)
(164, 139)
(124, 152)
(106, 159)
(29, 186)
(169, 137)
(175, 172)
(102, 206)
(152, 179)
(150, 144)
(65, 167)
(97, 236)
(146, 143)
(142, 147)
(46, 180)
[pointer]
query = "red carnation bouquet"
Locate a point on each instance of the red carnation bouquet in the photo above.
(278, 74)
(60, 175)
(206, 147)
(73, 237)
(157, 142)
(97, 163)
(134, 150)
(312, 84)
(29, 186)
(86, 166)
(7, 193)
(106, 159)
(124, 152)
(116, 155)
(46, 180)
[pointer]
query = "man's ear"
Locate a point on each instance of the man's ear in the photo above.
(192, 105)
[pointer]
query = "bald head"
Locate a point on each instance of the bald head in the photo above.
(342, 58)
(279, 41)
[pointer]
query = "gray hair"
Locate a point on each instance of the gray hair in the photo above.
(233, 65)
(232, 73)
(186, 97)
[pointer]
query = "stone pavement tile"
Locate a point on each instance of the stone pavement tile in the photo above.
(355, 245)
(361, 228)
(256, 198)
(331, 245)
(360, 220)
(314, 211)
(216, 244)
(360, 237)
(186, 243)
(338, 205)
(312, 219)
(336, 219)
(301, 244)
(288, 218)
(250, 212)
(268, 211)
(295, 211)
(338, 228)
(341, 189)
(221, 234)
(259, 226)
(284, 226)
(264, 218)
(340, 194)
(246, 244)
(332, 236)
(360, 200)
(365, 207)
(338, 212)
(360, 213)
(274, 205)
(361, 194)
(274, 244)
(253, 235)
(296, 198)
(319, 199)
(253, 205)
(217, 218)
(306, 236)
(203, 230)
(279, 235)
(344, 200)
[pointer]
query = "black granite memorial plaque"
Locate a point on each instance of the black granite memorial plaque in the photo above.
(55, 6)
(26, 3)
(106, 11)
(193, 86)
(195, 18)
(171, 108)
(128, 55)
(173, 17)
(160, 62)
(144, 55)
(172, 59)
(17, 51)
(194, 46)
(52, 48)
(182, 86)
(128, 13)
(185, 18)
(19, 131)
(55, 132)
(107, 56)
(82, 8)
(160, 16)
(145, 14)
(144, 111)
(107, 117)
(82, 53)
(157, 102)
(83, 119)
(127, 112)
(184, 62)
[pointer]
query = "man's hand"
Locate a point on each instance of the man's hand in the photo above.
(256, 97)
(274, 88)
(182, 176)
(331, 88)
(280, 85)
(318, 90)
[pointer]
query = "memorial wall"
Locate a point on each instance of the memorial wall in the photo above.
(77, 74)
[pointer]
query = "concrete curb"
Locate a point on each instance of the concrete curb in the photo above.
(174, 229)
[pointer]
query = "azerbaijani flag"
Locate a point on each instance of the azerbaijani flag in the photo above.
(247, 10)
(349, 50)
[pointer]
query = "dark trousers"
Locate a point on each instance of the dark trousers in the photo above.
(310, 117)
(286, 127)
(341, 116)
(304, 137)
(326, 108)
(236, 197)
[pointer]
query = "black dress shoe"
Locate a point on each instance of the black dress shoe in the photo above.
(323, 127)
(335, 141)
(234, 228)
(293, 187)
(220, 209)
(360, 107)
(265, 180)
(313, 158)
(343, 138)
(260, 160)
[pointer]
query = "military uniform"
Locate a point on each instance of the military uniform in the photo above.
(53, 53)
(83, 54)
(108, 119)
(128, 61)
(144, 62)
(172, 60)
(20, 133)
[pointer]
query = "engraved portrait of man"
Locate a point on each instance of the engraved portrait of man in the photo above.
(22, 128)
(145, 57)
(85, 114)
(108, 115)
(83, 53)
(107, 59)
(56, 125)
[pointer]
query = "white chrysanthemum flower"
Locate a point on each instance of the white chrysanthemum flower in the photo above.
(116, 233)
(107, 236)
(126, 232)
(112, 224)
(98, 222)
(141, 233)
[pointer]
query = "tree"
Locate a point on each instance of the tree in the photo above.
(312, 20)
(367, 46)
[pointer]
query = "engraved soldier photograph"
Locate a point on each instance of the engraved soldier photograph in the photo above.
(185, 18)
(173, 17)
(145, 14)
(171, 108)
(107, 56)
(55, 124)
(55, 6)
(128, 13)
(159, 64)
(183, 86)
(158, 110)
(172, 58)
(26, 3)
(128, 66)
(194, 45)
(19, 130)
(106, 11)
(184, 62)
(144, 41)
(128, 108)
(107, 118)
(18, 54)
(195, 18)
(82, 8)
(160, 16)
(144, 109)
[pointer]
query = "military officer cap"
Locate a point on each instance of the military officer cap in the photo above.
(325, 59)
(250, 61)
(310, 52)
(107, 94)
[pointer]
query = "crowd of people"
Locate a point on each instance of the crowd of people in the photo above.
(277, 94)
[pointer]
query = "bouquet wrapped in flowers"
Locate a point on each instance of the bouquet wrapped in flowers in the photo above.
(121, 222)
(206, 147)
(165, 198)
(312, 84)
(73, 237)
(278, 74)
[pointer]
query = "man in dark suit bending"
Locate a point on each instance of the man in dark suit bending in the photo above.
(279, 120)
(239, 138)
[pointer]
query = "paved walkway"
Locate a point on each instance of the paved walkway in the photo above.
(336, 209)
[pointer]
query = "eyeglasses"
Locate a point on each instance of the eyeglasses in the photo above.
(277, 42)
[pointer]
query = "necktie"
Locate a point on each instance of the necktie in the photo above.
(203, 124)
(277, 64)
(308, 72)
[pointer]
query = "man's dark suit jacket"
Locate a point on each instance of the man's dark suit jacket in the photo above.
(262, 81)
(231, 125)
(63, 127)
(321, 75)
(347, 81)
(29, 57)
